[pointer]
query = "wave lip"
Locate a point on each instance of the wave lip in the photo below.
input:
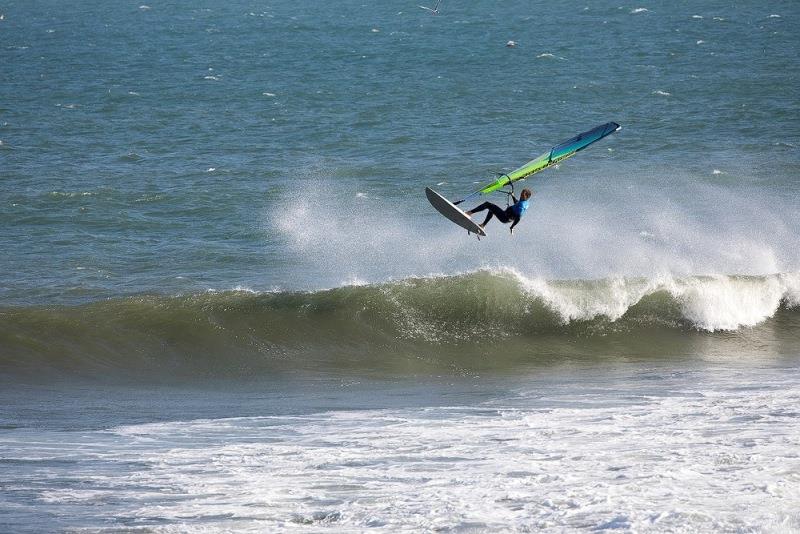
(710, 303)
(728, 303)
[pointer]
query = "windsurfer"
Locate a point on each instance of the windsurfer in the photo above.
(511, 214)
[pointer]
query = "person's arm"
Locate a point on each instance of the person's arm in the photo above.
(513, 224)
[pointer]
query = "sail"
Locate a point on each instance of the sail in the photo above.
(559, 152)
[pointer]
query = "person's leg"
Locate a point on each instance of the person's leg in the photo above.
(498, 212)
(494, 211)
(484, 206)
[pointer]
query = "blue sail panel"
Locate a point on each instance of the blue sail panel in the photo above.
(581, 141)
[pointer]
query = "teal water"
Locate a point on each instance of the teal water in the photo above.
(225, 304)
(176, 149)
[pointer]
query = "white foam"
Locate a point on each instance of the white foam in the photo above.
(687, 453)
(548, 55)
(354, 282)
(728, 303)
(572, 301)
(569, 232)
(791, 285)
(712, 303)
(244, 289)
(72, 194)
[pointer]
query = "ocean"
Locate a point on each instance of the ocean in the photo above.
(227, 306)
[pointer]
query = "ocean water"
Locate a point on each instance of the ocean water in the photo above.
(225, 304)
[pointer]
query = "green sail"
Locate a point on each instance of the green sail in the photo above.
(559, 152)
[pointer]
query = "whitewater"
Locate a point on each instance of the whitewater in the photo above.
(655, 450)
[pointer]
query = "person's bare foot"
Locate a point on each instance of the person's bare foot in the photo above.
(468, 213)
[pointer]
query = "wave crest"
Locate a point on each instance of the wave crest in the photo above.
(710, 303)
(464, 316)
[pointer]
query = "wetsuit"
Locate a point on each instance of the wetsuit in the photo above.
(512, 213)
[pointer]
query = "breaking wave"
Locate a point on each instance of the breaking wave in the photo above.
(453, 319)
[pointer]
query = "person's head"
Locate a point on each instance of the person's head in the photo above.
(526, 194)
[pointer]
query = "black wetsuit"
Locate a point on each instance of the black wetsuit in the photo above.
(504, 215)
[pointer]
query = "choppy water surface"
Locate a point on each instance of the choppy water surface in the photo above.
(225, 303)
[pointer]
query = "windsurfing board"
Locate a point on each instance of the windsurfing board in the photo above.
(452, 212)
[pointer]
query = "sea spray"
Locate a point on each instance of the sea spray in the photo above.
(634, 224)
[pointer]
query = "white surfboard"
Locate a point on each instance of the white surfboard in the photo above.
(452, 212)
